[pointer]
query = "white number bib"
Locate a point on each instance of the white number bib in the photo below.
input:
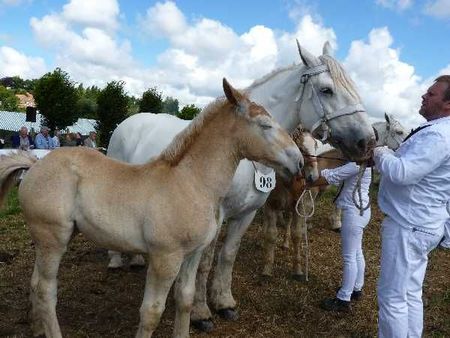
(265, 182)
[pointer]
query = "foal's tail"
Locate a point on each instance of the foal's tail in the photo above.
(11, 167)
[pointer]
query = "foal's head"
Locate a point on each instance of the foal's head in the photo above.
(260, 137)
(308, 146)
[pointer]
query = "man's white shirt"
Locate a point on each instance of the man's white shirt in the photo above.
(415, 180)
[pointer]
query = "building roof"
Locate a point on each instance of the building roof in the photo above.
(12, 121)
(26, 100)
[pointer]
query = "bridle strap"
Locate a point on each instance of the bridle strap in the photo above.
(324, 117)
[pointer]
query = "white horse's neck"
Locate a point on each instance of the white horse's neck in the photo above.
(278, 92)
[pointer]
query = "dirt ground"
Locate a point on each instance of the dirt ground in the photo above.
(95, 302)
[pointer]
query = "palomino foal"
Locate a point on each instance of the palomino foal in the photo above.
(167, 208)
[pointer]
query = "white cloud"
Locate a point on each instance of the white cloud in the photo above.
(395, 4)
(15, 63)
(102, 14)
(163, 20)
(438, 8)
(386, 84)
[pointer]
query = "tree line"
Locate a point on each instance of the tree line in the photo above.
(61, 102)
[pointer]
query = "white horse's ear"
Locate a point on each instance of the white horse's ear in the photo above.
(307, 57)
(232, 95)
(327, 49)
(386, 117)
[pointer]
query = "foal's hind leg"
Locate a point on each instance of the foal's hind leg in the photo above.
(299, 230)
(270, 239)
(50, 246)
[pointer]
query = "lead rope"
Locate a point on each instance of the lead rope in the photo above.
(305, 244)
(357, 189)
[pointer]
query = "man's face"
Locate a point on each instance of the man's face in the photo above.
(433, 101)
(93, 136)
(23, 132)
(45, 132)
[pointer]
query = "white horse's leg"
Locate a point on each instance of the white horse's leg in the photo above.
(270, 239)
(221, 296)
(184, 294)
(161, 273)
(137, 261)
(299, 229)
(201, 314)
(115, 259)
(50, 247)
(287, 232)
(336, 216)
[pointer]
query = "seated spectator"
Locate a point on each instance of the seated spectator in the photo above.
(78, 139)
(69, 140)
(43, 140)
(91, 140)
(22, 140)
(55, 138)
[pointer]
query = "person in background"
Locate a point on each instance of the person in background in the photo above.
(91, 140)
(22, 140)
(353, 224)
(413, 194)
(78, 139)
(43, 139)
(56, 138)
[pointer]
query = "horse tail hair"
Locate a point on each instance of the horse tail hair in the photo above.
(11, 167)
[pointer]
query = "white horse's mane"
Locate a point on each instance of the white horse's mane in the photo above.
(337, 73)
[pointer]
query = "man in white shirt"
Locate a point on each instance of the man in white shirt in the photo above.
(414, 190)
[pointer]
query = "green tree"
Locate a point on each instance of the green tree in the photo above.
(8, 100)
(151, 101)
(189, 112)
(87, 102)
(112, 109)
(56, 99)
(170, 106)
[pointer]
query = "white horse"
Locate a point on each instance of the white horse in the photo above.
(317, 94)
(167, 208)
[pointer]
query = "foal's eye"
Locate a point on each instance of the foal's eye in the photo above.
(327, 91)
(266, 126)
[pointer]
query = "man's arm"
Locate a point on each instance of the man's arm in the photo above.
(423, 156)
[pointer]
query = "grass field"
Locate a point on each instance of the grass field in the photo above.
(95, 302)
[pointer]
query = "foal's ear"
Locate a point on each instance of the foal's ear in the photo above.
(307, 58)
(327, 49)
(232, 95)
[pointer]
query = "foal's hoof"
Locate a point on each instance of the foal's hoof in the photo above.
(299, 277)
(204, 325)
(228, 314)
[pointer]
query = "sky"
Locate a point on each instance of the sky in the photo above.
(392, 49)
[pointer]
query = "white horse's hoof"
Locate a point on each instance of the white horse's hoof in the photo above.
(137, 261)
(115, 262)
(204, 325)
(228, 314)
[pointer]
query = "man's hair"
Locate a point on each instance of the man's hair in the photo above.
(445, 79)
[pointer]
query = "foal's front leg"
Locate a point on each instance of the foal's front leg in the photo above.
(299, 231)
(184, 294)
(270, 239)
(161, 273)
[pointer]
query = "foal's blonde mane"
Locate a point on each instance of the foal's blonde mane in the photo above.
(176, 150)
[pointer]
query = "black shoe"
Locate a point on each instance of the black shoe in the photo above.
(336, 305)
(356, 295)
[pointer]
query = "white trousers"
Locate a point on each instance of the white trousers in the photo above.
(404, 258)
(446, 240)
(352, 254)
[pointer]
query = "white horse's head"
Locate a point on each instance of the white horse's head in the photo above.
(260, 138)
(330, 106)
(390, 133)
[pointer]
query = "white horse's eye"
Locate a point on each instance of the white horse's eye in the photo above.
(399, 132)
(266, 126)
(327, 90)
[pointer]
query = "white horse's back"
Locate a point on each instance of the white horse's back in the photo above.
(142, 136)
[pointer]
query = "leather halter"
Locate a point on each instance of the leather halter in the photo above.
(324, 116)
